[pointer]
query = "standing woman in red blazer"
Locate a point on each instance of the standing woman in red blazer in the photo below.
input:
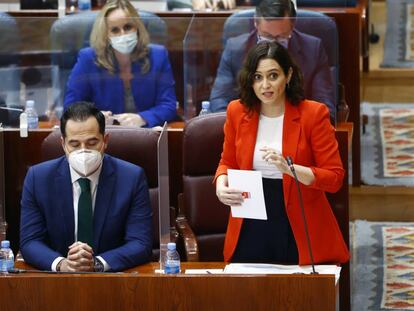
(271, 121)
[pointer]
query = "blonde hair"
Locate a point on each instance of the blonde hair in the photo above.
(100, 42)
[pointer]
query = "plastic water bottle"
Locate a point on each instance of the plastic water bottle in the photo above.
(205, 108)
(84, 5)
(32, 117)
(172, 260)
(6, 257)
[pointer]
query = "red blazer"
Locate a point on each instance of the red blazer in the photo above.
(309, 138)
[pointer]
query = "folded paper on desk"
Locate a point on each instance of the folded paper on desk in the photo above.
(256, 268)
(251, 186)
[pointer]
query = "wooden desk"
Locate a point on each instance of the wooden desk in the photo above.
(146, 290)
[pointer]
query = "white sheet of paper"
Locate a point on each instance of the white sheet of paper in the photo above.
(204, 271)
(249, 182)
(257, 268)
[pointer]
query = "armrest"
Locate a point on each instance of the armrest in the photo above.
(343, 108)
(187, 234)
(189, 238)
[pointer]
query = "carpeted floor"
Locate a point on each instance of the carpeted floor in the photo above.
(382, 266)
(387, 146)
(399, 36)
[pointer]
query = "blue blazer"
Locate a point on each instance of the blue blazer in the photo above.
(122, 215)
(153, 92)
(308, 53)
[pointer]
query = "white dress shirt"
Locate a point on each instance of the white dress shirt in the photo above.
(94, 179)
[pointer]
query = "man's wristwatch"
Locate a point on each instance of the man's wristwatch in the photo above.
(58, 266)
(98, 265)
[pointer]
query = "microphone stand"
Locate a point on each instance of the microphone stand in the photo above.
(292, 168)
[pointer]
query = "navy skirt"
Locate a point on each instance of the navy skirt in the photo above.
(271, 240)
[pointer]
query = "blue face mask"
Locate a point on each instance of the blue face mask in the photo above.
(282, 41)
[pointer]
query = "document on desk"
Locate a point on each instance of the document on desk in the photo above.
(258, 268)
(203, 271)
(250, 183)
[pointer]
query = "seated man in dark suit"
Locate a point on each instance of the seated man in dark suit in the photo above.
(85, 211)
(273, 21)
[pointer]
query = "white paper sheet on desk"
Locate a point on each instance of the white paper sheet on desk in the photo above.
(250, 183)
(203, 271)
(257, 268)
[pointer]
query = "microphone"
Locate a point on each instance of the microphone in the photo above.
(292, 168)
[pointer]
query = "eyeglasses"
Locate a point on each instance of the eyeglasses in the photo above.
(283, 41)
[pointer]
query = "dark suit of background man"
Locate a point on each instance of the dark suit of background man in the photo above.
(67, 226)
(307, 51)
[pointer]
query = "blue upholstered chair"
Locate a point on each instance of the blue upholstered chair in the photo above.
(326, 3)
(9, 40)
(71, 33)
(320, 3)
(310, 22)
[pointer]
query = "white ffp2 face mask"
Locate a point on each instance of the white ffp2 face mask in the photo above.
(125, 44)
(85, 161)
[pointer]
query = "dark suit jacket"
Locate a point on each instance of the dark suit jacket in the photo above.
(306, 50)
(122, 214)
(153, 92)
(309, 138)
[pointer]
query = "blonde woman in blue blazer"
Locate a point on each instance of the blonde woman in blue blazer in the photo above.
(122, 73)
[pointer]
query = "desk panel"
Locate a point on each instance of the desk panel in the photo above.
(149, 291)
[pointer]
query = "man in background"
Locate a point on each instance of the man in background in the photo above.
(274, 21)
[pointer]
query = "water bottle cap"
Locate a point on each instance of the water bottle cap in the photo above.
(205, 104)
(5, 243)
(30, 103)
(171, 246)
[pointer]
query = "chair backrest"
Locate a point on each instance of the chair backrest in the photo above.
(9, 47)
(326, 3)
(310, 22)
(71, 33)
(9, 40)
(135, 145)
(319, 3)
(202, 145)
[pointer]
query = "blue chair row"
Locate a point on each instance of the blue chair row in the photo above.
(71, 33)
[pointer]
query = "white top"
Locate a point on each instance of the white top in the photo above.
(269, 134)
(94, 179)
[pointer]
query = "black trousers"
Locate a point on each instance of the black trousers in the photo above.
(268, 240)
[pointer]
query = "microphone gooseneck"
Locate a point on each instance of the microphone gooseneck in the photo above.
(292, 168)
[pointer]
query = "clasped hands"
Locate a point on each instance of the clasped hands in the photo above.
(234, 197)
(80, 258)
(125, 119)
